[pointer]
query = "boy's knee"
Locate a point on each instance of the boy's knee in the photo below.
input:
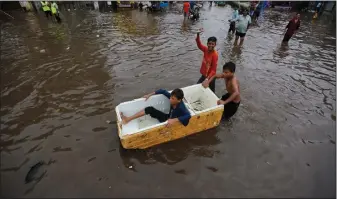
(148, 110)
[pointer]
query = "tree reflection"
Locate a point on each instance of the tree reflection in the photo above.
(135, 23)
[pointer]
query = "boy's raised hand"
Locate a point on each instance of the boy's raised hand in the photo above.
(201, 30)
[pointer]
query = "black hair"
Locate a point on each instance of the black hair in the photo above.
(178, 93)
(229, 66)
(211, 39)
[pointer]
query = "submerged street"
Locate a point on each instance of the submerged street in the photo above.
(61, 82)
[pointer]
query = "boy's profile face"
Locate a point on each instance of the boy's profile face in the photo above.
(174, 100)
(211, 45)
(227, 73)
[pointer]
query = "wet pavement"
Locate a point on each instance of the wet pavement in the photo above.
(55, 105)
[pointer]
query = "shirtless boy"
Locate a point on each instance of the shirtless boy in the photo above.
(231, 100)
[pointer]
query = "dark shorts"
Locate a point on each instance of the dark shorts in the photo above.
(257, 14)
(160, 116)
(229, 108)
(47, 13)
(232, 27)
(239, 34)
(185, 14)
(287, 37)
(211, 84)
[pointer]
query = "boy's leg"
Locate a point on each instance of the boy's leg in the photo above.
(241, 40)
(201, 79)
(236, 38)
(125, 119)
(230, 108)
(162, 117)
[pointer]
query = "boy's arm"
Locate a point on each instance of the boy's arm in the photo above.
(185, 118)
(233, 95)
(163, 92)
(205, 84)
(199, 44)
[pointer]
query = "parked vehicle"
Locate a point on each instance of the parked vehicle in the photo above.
(195, 13)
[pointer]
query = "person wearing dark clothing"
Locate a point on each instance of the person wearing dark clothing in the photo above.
(232, 99)
(292, 28)
(178, 111)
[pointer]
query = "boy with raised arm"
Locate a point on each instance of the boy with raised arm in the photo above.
(231, 100)
(178, 111)
(209, 62)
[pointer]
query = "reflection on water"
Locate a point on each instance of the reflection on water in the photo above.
(55, 104)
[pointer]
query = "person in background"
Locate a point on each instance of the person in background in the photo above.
(232, 21)
(141, 6)
(55, 11)
(292, 28)
(192, 4)
(46, 8)
(257, 12)
(209, 62)
(231, 100)
(178, 111)
(315, 15)
(186, 9)
(318, 6)
(244, 22)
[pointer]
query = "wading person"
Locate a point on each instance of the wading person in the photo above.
(178, 111)
(186, 9)
(209, 62)
(232, 21)
(46, 8)
(292, 28)
(231, 100)
(55, 12)
(243, 23)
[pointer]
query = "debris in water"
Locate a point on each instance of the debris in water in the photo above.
(108, 121)
(97, 35)
(198, 105)
(42, 51)
(110, 187)
(32, 171)
(68, 48)
(130, 167)
(268, 163)
(69, 10)
(274, 133)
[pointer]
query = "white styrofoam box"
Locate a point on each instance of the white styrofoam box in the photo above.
(162, 103)
(159, 102)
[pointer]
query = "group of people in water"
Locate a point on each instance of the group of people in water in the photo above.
(178, 111)
(51, 10)
(231, 100)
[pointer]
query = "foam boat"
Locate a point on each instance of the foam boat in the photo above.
(146, 131)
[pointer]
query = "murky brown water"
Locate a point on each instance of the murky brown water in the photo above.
(54, 107)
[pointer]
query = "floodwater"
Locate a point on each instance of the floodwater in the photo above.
(55, 105)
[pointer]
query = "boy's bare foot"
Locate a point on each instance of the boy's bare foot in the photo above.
(125, 120)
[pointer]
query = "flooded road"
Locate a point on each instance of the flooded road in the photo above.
(60, 84)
